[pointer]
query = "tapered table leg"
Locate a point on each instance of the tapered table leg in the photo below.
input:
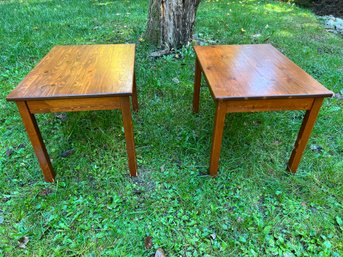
(217, 137)
(197, 82)
(134, 94)
(128, 129)
(304, 134)
(32, 129)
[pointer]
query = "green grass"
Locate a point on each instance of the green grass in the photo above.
(253, 208)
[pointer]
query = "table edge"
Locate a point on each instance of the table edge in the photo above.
(64, 97)
(233, 98)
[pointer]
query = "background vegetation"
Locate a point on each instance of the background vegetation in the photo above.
(253, 208)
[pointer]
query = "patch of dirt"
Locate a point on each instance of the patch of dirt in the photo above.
(328, 7)
(323, 7)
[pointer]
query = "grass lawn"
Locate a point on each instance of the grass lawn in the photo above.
(253, 208)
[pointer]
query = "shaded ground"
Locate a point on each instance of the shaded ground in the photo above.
(324, 7)
(328, 7)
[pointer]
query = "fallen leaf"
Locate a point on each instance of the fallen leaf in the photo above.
(22, 242)
(67, 153)
(160, 53)
(9, 152)
(160, 253)
(141, 39)
(6, 199)
(21, 146)
(148, 242)
(162, 168)
(46, 191)
(243, 30)
(62, 116)
(213, 236)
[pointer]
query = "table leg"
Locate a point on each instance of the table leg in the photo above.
(134, 94)
(197, 82)
(217, 137)
(304, 134)
(128, 129)
(32, 129)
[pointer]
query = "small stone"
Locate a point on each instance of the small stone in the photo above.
(160, 253)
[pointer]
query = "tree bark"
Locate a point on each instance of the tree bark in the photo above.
(171, 22)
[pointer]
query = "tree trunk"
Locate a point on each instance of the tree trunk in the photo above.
(171, 22)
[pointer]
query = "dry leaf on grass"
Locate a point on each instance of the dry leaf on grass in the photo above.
(61, 116)
(22, 242)
(46, 191)
(67, 153)
(20, 146)
(9, 152)
(148, 242)
(213, 236)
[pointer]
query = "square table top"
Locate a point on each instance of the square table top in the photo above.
(255, 72)
(77, 71)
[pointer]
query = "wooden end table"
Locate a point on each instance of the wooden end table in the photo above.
(254, 78)
(79, 78)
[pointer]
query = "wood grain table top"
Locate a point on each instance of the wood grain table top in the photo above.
(255, 72)
(79, 71)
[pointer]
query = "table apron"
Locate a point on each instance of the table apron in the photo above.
(76, 104)
(260, 105)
